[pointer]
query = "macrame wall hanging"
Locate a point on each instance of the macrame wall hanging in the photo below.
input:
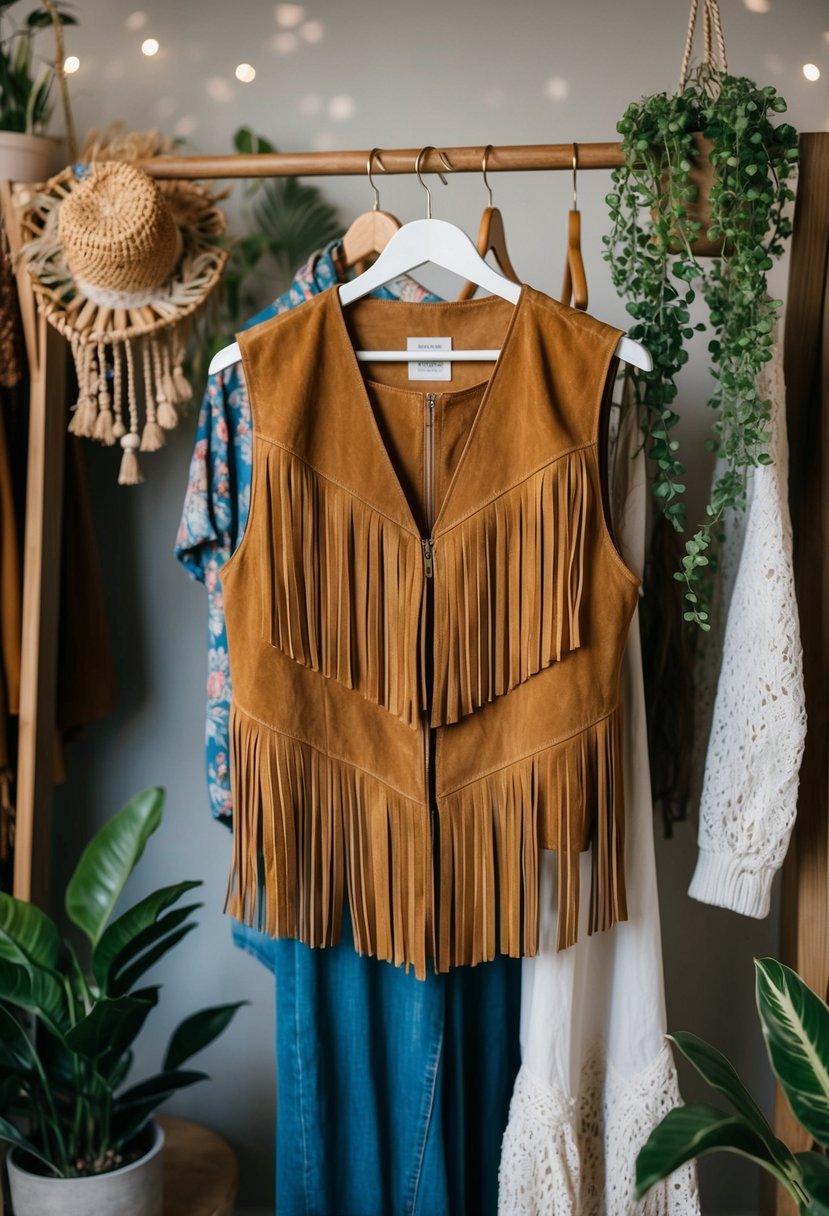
(120, 265)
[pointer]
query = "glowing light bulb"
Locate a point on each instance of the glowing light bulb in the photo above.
(149, 47)
(811, 71)
(245, 72)
(71, 64)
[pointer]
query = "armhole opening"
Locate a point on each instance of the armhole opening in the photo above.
(602, 445)
(241, 542)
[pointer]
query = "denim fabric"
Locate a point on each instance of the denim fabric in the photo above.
(392, 1093)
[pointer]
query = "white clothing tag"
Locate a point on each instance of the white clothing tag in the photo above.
(429, 369)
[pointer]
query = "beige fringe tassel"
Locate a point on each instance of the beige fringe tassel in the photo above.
(508, 585)
(342, 584)
(309, 830)
(323, 828)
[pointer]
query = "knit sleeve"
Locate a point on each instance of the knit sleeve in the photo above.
(758, 719)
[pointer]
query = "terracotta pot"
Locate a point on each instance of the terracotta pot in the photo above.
(133, 1190)
(701, 176)
(27, 158)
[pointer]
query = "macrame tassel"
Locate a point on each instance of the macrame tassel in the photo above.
(82, 422)
(165, 413)
(565, 798)
(130, 473)
(508, 584)
(180, 391)
(104, 422)
(361, 631)
(309, 831)
(152, 436)
(118, 428)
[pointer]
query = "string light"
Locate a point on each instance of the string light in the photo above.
(71, 64)
(811, 71)
(149, 47)
(245, 72)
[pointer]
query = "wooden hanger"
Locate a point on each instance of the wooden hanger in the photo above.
(574, 286)
(370, 232)
(492, 237)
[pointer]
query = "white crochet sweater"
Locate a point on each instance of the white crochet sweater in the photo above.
(750, 689)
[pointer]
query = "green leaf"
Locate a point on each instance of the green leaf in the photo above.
(126, 979)
(108, 860)
(31, 929)
(692, 1131)
(16, 1049)
(124, 938)
(197, 1031)
(814, 1172)
(158, 1088)
(721, 1075)
(10, 1133)
(36, 990)
(796, 1029)
(111, 1025)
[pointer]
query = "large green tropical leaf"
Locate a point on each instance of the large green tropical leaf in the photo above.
(127, 936)
(796, 1029)
(10, 1133)
(108, 860)
(814, 1171)
(197, 1032)
(36, 990)
(31, 929)
(158, 1088)
(721, 1075)
(692, 1131)
(111, 1026)
(296, 218)
(125, 980)
(16, 1050)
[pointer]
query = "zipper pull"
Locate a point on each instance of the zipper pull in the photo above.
(427, 556)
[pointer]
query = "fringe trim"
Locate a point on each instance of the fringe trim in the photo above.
(341, 585)
(308, 829)
(567, 797)
(508, 588)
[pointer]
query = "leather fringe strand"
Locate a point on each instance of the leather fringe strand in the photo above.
(309, 831)
(508, 588)
(341, 585)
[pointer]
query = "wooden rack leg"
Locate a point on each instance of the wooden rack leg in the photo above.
(41, 617)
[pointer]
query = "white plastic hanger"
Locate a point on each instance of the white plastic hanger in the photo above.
(443, 244)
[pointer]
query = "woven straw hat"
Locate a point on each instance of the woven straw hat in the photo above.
(120, 264)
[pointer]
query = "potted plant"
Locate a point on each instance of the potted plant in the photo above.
(716, 134)
(26, 152)
(795, 1025)
(83, 1139)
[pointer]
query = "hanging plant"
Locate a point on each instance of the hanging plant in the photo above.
(721, 127)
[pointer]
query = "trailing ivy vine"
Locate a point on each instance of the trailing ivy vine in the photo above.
(655, 268)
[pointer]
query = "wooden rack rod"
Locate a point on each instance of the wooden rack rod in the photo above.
(514, 158)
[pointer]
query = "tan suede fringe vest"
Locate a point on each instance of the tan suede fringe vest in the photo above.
(426, 618)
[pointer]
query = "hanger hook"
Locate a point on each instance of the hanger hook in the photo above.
(420, 155)
(374, 152)
(487, 151)
(575, 169)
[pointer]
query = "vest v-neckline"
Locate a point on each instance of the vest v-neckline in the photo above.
(492, 383)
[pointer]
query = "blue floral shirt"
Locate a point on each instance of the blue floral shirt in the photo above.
(217, 502)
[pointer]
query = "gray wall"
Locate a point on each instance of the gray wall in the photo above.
(402, 75)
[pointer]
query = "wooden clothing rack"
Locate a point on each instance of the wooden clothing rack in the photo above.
(804, 904)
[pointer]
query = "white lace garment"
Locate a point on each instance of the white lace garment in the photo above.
(597, 1073)
(750, 690)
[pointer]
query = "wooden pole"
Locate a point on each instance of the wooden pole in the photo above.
(513, 158)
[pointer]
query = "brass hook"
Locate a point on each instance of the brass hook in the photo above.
(575, 168)
(487, 151)
(374, 152)
(420, 155)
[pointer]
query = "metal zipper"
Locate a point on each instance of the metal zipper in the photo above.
(428, 570)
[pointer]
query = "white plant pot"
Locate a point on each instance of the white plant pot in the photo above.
(27, 158)
(134, 1190)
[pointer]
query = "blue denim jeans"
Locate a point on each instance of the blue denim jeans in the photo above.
(392, 1092)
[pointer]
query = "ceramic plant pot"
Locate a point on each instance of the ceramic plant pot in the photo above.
(133, 1190)
(26, 158)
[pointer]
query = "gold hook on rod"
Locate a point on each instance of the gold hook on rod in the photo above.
(575, 169)
(487, 151)
(374, 152)
(447, 165)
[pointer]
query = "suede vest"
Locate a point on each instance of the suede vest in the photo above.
(426, 618)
